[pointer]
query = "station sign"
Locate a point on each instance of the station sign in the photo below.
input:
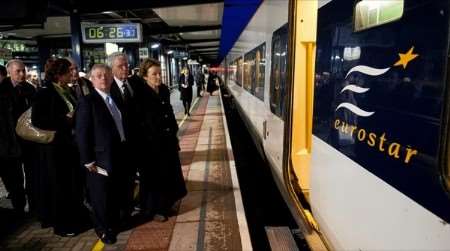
(143, 53)
(111, 33)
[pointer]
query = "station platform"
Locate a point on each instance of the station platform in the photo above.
(210, 217)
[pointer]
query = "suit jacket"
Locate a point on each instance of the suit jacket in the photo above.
(13, 102)
(96, 134)
(186, 93)
(82, 87)
(129, 108)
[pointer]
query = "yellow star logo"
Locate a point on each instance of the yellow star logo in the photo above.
(406, 57)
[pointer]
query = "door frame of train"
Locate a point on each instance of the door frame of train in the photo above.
(298, 126)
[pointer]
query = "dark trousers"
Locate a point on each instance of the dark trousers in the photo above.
(112, 195)
(12, 176)
(103, 191)
(127, 178)
(30, 166)
(187, 105)
(199, 90)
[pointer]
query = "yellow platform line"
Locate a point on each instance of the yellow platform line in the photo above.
(99, 245)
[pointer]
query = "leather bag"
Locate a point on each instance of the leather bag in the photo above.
(27, 131)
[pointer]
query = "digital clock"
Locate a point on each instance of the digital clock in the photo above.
(111, 33)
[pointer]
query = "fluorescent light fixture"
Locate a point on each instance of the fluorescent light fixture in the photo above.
(169, 52)
(111, 48)
(185, 58)
(107, 12)
(155, 45)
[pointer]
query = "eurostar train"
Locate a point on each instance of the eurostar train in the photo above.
(349, 103)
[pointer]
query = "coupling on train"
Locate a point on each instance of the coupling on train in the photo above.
(349, 103)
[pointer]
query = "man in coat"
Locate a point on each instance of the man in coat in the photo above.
(123, 91)
(102, 142)
(80, 85)
(3, 73)
(16, 96)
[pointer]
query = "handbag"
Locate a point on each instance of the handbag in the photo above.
(27, 131)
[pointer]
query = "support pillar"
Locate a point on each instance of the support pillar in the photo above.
(75, 30)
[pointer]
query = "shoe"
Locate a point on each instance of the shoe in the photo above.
(160, 218)
(108, 238)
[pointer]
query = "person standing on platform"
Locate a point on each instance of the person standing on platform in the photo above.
(186, 82)
(213, 81)
(61, 188)
(162, 182)
(123, 93)
(200, 83)
(16, 96)
(79, 85)
(102, 142)
(3, 73)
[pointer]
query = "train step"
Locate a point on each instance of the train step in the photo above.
(281, 239)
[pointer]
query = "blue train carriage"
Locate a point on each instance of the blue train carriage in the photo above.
(379, 156)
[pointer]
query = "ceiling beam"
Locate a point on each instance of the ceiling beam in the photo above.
(203, 47)
(191, 28)
(89, 6)
(208, 50)
(191, 41)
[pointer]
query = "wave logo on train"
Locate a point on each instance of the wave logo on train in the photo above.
(378, 141)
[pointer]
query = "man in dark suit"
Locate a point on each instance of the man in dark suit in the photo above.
(102, 142)
(16, 96)
(80, 85)
(123, 91)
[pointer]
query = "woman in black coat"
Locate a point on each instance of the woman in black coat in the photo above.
(186, 83)
(61, 188)
(162, 182)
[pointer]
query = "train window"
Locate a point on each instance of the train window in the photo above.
(278, 71)
(239, 63)
(260, 70)
(254, 71)
(371, 13)
(249, 64)
(232, 71)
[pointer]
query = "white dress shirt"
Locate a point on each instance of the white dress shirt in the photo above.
(120, 83)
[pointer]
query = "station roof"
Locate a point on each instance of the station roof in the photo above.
(195, 25)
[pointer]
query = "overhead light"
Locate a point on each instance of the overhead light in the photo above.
(155, 45)
(185, 58)
(110, 48)
(169, 52)
(181, 33)
(107, 12)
